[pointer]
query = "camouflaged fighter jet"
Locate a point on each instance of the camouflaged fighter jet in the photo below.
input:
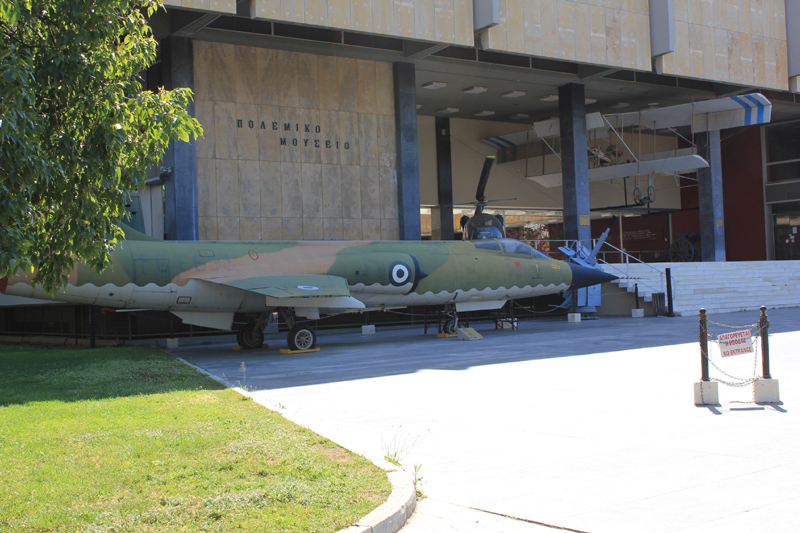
(204, 283)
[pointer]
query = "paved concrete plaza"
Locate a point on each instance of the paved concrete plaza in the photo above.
(587, 427)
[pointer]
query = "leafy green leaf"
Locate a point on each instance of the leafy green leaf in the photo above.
(76, 129)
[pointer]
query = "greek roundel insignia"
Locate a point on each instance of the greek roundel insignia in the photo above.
(308, 288)
(399, 274)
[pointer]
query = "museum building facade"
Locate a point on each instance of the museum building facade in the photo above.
(370, 119)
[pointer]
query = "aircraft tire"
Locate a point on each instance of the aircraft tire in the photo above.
(249, 337)
(451, 326)
(302, 337)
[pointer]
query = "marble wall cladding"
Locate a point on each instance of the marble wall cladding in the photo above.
(228, 229)
(271, 189)
(351, 229)
(296, 146)
(206, 188)
(370, 192)
(736, 41)
(333, 229)
(249, 189)
(445, 21)
(603, 32)
(351, 192)
(371, 229)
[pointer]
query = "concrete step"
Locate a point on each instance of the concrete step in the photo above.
(717, 287)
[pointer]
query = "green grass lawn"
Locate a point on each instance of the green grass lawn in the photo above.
(130, 439)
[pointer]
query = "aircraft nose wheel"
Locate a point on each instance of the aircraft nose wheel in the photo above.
(250, 337)
(451, 326)
(302, 337)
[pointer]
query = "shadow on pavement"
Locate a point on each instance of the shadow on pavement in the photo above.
(346, 356)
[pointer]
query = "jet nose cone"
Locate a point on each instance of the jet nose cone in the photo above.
(586, 277)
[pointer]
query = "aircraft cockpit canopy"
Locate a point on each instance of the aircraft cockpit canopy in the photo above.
(509, 246)
(512, 246)
(483, 226)
(485, 232)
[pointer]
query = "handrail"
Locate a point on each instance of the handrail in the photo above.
(628, 257)
(555, 243)
(627, 262)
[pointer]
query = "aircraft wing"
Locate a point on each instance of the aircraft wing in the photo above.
(302, 290)
(716, 114)
(672, 164)
(719, 114)
(707, 115)
(543, 129)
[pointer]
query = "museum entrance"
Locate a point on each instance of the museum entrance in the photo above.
(785, 223)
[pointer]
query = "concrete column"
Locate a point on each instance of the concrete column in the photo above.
(793, 39)
(709, 185)
(574, 163)
(405, 109)
(662, 27)
(180, 191)
(442, 227)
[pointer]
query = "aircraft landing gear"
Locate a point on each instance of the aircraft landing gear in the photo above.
(451, 324)
(251, 335)
(302, 337)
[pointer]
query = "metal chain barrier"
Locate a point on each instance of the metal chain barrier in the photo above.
(749, 326)
(739, 382)
(761, 340)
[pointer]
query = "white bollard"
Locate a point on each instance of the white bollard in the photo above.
(637, 313)
(766, 391)
(573, 317)
(706, 393)
(368, 330)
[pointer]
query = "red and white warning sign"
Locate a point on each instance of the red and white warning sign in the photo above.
(736, 343)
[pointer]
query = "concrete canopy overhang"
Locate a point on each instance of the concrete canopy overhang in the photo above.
(463, 67)
(536, 80)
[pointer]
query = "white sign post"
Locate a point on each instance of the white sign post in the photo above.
(736, 343)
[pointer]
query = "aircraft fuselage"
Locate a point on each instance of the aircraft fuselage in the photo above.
(205, 283)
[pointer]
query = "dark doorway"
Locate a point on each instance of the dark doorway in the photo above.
(785, 221)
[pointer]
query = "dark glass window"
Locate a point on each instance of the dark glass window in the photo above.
(783, 142)
(783, 172)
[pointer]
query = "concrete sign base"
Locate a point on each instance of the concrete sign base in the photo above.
(706, 393)
(766, 391)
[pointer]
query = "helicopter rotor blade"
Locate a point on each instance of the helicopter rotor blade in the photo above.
(500, 200)
(480, 194)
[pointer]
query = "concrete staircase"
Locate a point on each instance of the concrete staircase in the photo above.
(718, 287)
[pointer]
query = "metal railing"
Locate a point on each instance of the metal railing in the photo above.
(550, 248)
(626, 272)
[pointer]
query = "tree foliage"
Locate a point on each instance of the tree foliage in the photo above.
(77, 132)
